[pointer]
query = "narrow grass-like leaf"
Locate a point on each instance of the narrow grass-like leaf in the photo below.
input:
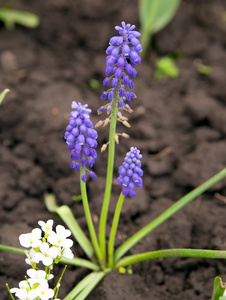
(67, 216)
(2, 95)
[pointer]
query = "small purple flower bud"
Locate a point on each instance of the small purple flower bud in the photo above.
(77, 155)
(66, 134)
(93, 153)
(81, 139)
(132, 193)
(106, 81)
(116, 40)
(90, 161)
(103, 96)
(71, 146)
(83, 161)
(138, 48)
(109, 49)
(75, 132)
(121, 91)
(125, 191)
(120, 180)
(88, 123)
(129, 68)
(78, 147)
(111, 61)
(108, 70)
(126, 79)
(121, 103)
(114, 82)
(126, 50)
(92, 133)
(69, 128)
(122, 171)
(136, 33)
(130, 172)
(83, 128)
(109, 109)
(72, 122)
(99, 111)
(86, 151)
(70, 139)
(118, 73)
(77, 166)
(78, 122)
(110, 95)
(121, 62)
(92, 174)
(135, 41)
(90, 142)
(131, 84)
(83, 177)
(133, 73)
(115, 52)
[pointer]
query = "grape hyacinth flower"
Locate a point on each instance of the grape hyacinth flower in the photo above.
(130, 172)
(81, 139)
(122, 57)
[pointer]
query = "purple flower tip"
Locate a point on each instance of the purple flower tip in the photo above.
(122, 57)
(81, 138)
(130, 172)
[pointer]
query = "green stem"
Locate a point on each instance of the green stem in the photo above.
(113, 230)
(11, 249)
(90, 222)
(110, 168)
(78, 262)
(82, 285)
(167, 214)
(9, 291)
(129, 260)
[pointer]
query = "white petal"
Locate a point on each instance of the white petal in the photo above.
(44, 247)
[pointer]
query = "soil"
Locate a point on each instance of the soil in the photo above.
(178, 124)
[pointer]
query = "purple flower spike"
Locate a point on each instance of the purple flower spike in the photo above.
(81, 138)
(122, 57)
(130, 172)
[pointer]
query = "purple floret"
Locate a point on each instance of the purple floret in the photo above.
(81, 139)
(122, 57)
(130, 173)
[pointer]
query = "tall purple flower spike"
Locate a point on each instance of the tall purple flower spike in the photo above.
(122, 57)
(130, 172)
(81, 139)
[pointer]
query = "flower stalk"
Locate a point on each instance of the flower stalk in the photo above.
(90, 225)
(114, 227)
(110, 169)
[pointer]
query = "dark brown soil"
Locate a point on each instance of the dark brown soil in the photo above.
(178, 124)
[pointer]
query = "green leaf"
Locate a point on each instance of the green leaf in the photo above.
(218, 289)
(2, 95)
(154, 16)
(10, 17)
(67, 216)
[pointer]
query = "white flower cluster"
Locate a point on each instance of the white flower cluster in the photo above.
(47, 249)
(46, 246)
(35, 287)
